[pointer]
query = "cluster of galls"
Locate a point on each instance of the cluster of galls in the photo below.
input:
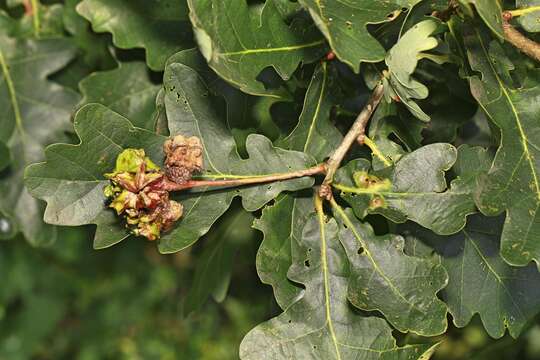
(374, 185)
(137, 190)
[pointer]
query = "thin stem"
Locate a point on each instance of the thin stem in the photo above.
(172, 186)
(376, 151)
(520, 41)
(14, 102)
(524, 11)
(35, 17)
(350, 189)
(357, 129)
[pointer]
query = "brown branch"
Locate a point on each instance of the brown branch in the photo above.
(172, 186)
(355, 133)
(521, 42)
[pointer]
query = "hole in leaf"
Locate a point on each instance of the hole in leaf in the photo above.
(360, 251)
(306, 263)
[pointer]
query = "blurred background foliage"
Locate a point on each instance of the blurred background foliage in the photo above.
(68, 301)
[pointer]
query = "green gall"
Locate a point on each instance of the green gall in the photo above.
(130, 161)
(136, 194)
(363, 180)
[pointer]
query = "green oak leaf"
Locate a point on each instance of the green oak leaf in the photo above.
(282, 223)
(78, 170)
(402, 60)
(322, 325)
(239, 42)
(193, 111)
(512, 185)
(403, 288)
(94, 50)
(46, 22)
(5, 156)
(344, 24)
(35, 112)
(71, 180)
(447, 90)
(389, 120)
(414, 189)
(480, 281)
(530, 21)
(315, 134)
(132, 96)
(214, 264)
(159, 116)
(490, 11)
(160, 27)
(246, 114)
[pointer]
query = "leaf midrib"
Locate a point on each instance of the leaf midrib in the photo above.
(360, 191)
(271, 50)
(376, 267)
(495, 274)
(523, 137)
(320, 216)
(13, 99)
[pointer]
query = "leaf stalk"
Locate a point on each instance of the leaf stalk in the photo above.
(355, 133)
(521, 42)
(172, 186)
(524, 11)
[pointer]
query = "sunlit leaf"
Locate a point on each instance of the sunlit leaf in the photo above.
(322, 325)
(239, 42)
(383, 278)
(513, 182)
(414, 189)
(344, 24)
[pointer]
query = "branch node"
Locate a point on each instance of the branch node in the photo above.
(325, 192)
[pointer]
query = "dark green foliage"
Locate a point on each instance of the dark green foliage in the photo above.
(431, 218)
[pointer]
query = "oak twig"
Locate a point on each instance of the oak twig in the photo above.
(172, 186)
(356, 132)
(521, 42)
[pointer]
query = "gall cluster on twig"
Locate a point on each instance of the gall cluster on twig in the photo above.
(137, 190)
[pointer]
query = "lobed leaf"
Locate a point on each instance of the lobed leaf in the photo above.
(530, 21)
(315, 134)
(416, 190)
(344, 24)
(158, 26)
(512, 184)
(132, 96)
(480, 281)
(322, 325)
(403, 288)
(240, 41)
(71, 180)
(282, 225)
(491, 13)
(36, 112)
(402, 60)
